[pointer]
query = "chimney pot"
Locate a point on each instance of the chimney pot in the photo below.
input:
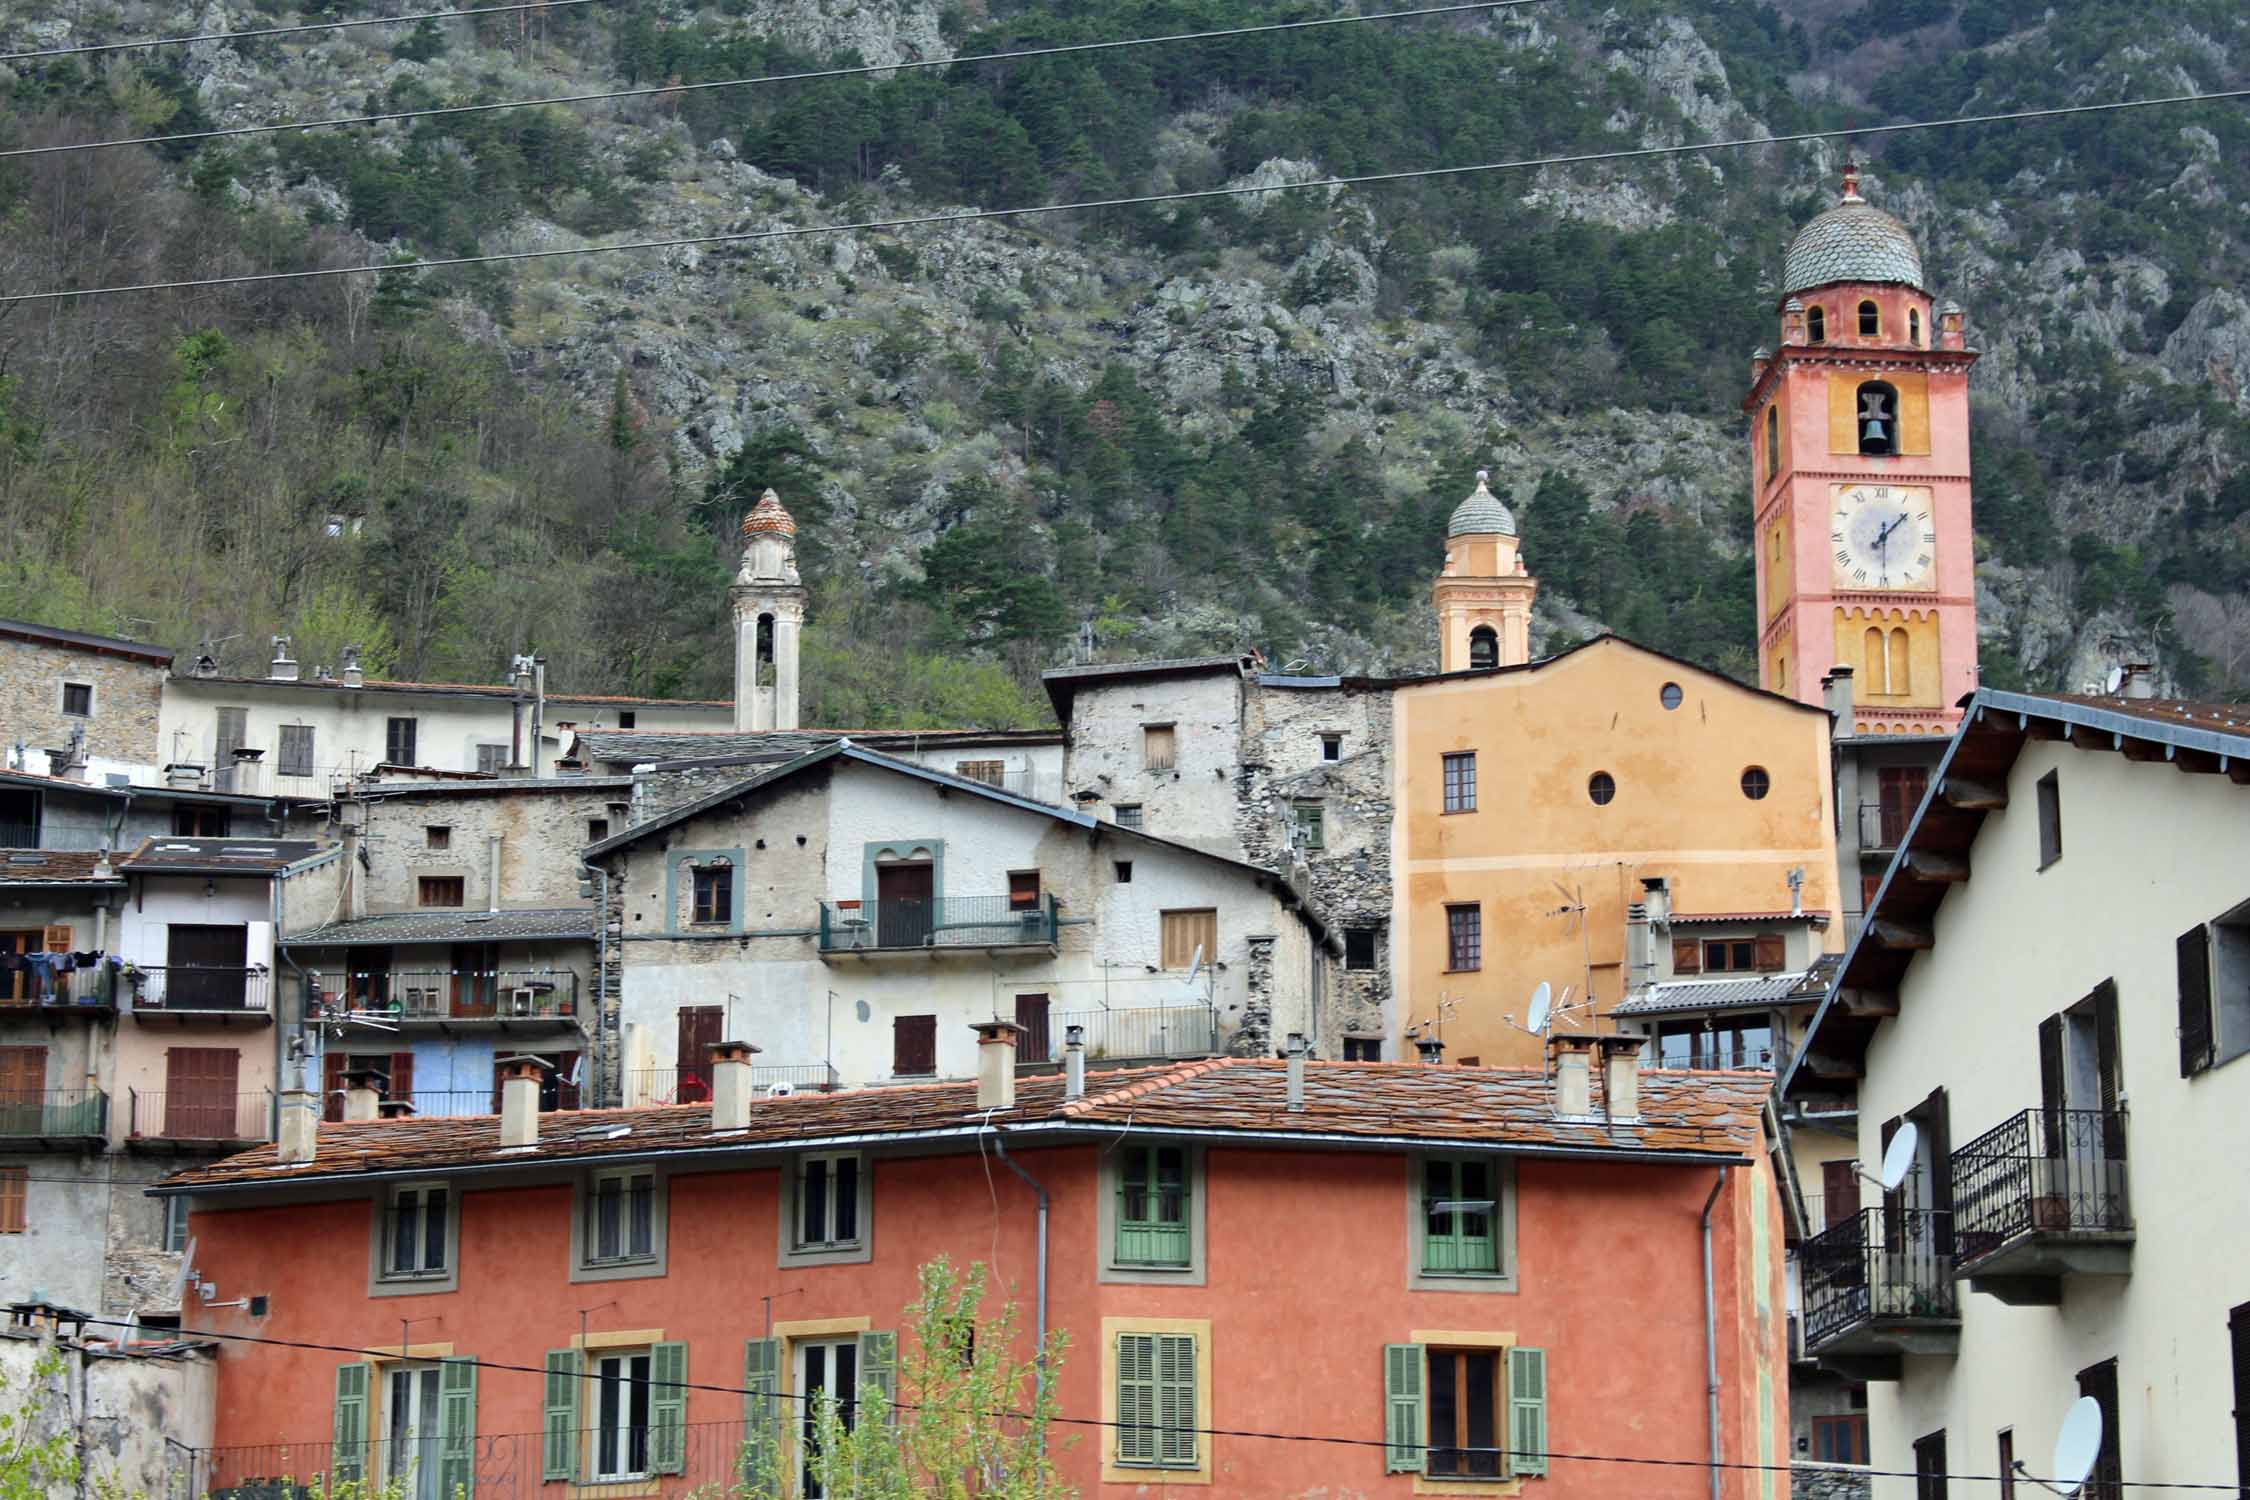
(1431, 1050)
(352, 675)
(300, 1127)
(732, 1086)
(1574, 1080)
(520, 1077)
(1295, 1051)
(1074, 1062)
(1621, 1077)
(2138, 680)
(996, 1063)
(283, 667)
(363, 1094)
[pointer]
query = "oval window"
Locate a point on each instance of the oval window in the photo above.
(1602, 788)
(1756, 783)
(1670, 695)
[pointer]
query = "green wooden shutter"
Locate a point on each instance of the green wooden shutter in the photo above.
(1402, 1408)
(457, 1428)
(349, 1460)
(1175, 1399)
(558, 1455)
(761, 1410)
(878, 1367)
(1136, 1398)
(1527, 1411)
(667, 1408)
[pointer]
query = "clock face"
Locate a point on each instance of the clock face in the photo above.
(1883, 536)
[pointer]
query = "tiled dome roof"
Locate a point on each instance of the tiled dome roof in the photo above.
(1854, 241)
(1481, 514)
(767, 515)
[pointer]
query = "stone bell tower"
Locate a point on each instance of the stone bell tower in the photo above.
(1484, 596)
(769, 611)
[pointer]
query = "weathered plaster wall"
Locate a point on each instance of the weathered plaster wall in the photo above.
(58, 1256)
(130, 1418)
(1194, 801)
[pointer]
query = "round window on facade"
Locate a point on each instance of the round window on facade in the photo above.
(1670, 695)
(1756, 783)
(1602, 787)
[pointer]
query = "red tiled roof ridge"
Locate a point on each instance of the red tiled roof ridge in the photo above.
(1149, 1085)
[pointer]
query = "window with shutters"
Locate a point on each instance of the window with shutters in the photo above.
(1460, 1222)
(1460, 781)
(2229, 985)
(1186, 931)
(1929, 1466)
(914, 1047)
(408, 1422)
(1466, 1408)
(1151, 1215)
(621, 1416)
(827, 1203)
(615, 1411)
(417, 1240)
(618, 1229)
(1308, 825)
(2050, 818)
(398, 741)
(296, 750)
(1159, 747)
(1157, 1393)
(1464, 938)
(175, 1231)
(15, 1192)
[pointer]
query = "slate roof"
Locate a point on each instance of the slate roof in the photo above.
(559, 923)
(1063, 683)
(53, 867)
(79, 640)
(201, 856)
(656, 746)
(1482, 514)
(1700, 1117)
(1854, 241)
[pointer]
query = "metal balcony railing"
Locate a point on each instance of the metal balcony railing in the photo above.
(88, 987)
(1882, 827)
(940, 922)
(1875, 1266)
(456, 1104)
(48, 1114)
(1144, 1031)
(199, 987)
(462, 994)
(193, 1115)
(1762, 1058)
(2040, 1172)
(651, 1086)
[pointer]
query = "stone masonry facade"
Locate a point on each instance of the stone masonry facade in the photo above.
(121, 725)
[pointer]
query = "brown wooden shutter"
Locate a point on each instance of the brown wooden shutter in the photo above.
(1182, 932)
(1687, 956)
(15, 1186)
(1839, 1192)
(56, 939)
(1771, 955)
(1894, 1201)
(914, 1046)
(2051, 1081)
(199, 1092)
(2238, 1332)
(2194, 949)
(402, 1076)
(1031, 1014)
(1937, 1124)
(2100, 1382)
(700, 1026)
(23, 1074)
(332, 1064)
(2106, 1067)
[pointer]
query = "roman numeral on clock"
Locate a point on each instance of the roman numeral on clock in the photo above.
(1929, 536)
(1844, 555)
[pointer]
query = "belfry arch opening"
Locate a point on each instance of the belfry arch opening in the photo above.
(1870, 320)
(764, 656)
(1484, 648)
(1816, 325)
(1877, 409)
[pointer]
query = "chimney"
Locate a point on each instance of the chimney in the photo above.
(1836, 693)
(1295, 1052)
(284, 666)
(2137, 680)
(1431, 1050)
(249, 762)
(731, 1086)
(1573, 1052)
(353, 677)
(1640, 949)
(363, 1094)
(395, 1109)
(1074, 1062)
(538, 710)
(183, 775)
(1621, 1077)
(300, 1126)
(520, 1076)
(75, 765)
(996, 1063)
(1656, 896)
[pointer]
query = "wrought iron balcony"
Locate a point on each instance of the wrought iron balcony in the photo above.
(188, 1118)
(54, 1117)
(88, 993)
(1157, 1031)
(1878, 1285)
(498, 999)
(180, 993)
(2040, 1197)
(941, 923)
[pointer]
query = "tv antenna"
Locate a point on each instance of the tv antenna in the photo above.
(1574, 907)
(2078, 1444)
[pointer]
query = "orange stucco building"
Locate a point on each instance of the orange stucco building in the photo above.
(1429, 1265)
(1536, 799)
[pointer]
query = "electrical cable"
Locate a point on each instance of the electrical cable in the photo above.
(266, 31)
(856, 71)
(1323, 1439)
(1368, 179)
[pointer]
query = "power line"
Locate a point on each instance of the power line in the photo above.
(858, 71)
(1324, 1439)
(1368, 179)
(265, 31)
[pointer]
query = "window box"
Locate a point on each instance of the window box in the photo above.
(1461, 1222)
(827, 1210)
(1152, 1215)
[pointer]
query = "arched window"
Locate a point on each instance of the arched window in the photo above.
(1902, 662)
(1878, 663)
(1914, 326)
(1773, 440)
(1878, 418)
(764, 656)
(1816, 325)
(1484, 648)
(1870, 320)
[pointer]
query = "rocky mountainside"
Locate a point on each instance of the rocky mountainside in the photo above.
(1158, 429)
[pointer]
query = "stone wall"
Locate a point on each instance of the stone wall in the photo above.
(1829, 1482)
(138, 1275)
(1191, 800)
(127, 696)
(541, 829)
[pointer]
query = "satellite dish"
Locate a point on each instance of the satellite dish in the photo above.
(1196, 967)
(1542, 1000)
(187, 1269)
(2077, 1445)
(1898, 1157)
(2116, 676)
(781, 1090)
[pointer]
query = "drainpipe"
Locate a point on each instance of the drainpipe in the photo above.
(601, 977)
(1711, 1335)
(1001, 1147)
(281, 1032)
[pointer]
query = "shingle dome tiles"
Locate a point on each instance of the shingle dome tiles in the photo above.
(768, 515)
(1482, 514)
(1854, 241)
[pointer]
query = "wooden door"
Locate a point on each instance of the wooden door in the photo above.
(476, 979)
(1839, 1193)
(914, 1046)
(902, 905)
(1035, 1045)
(23, 1089)
(700, 1026)
(199, 1092)
(206, 966)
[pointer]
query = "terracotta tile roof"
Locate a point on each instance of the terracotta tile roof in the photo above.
(197, 855)
(52, 867)
(1703, 1116)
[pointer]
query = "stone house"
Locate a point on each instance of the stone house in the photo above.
(89, 701)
